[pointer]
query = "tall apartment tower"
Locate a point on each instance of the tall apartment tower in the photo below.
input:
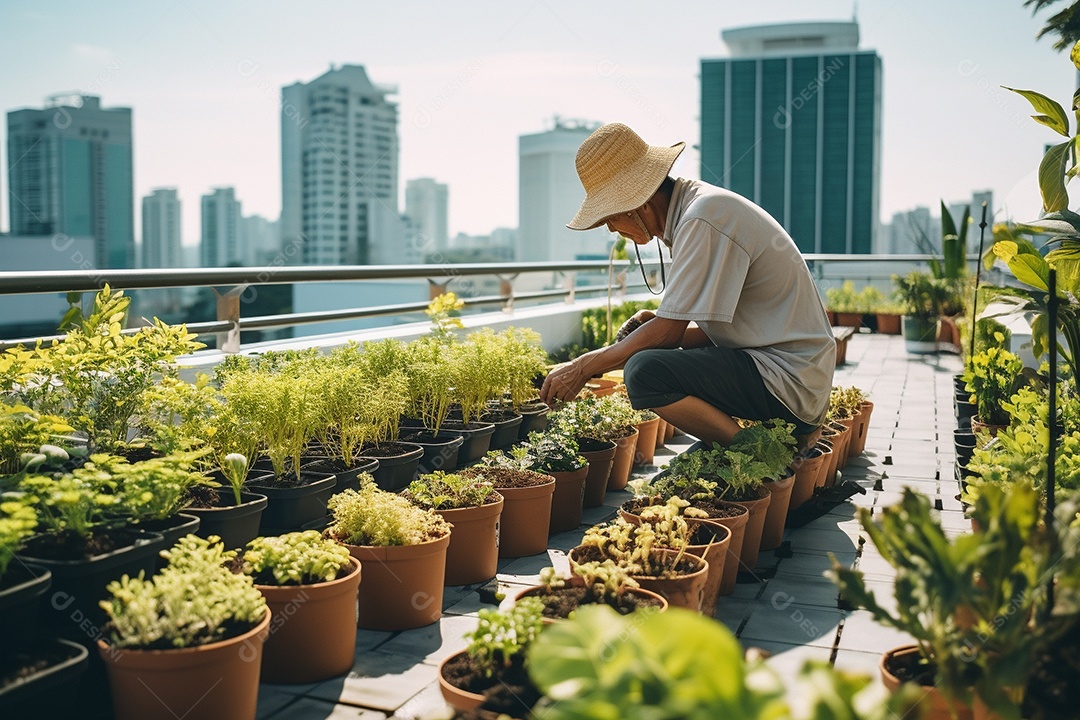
(70, 171)
(339, 169)
(792, 120)
(427, 205)
(220, 242)
(161, 229)
(549, 193)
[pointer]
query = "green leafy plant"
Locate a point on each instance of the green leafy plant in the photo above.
(547, 452)
(152, 489)
(992, 377)
(193, 601)
(445, 314)
(17, 522)
(607, 418)
(69, 505)
(843, 299)
(769, 442)
(606, 579)
(379, 518)
(445, 491)
(922, 295)
(296, 558)
(24, 431)
(633, 547)
(502, 636)
(598, 325)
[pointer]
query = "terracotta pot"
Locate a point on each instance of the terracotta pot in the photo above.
(645, 450)
(526, 517)
(623, 460)
(754, 526)
(671, 431)
(807, 472)
(661, 433)
(455, 697)
(849, 319)
(403, 584)
(716, 555)
(840, 443)
(858, 441)
(601, 387)
(978, 426)
(846, 434)
(773, 532)
(934, 705)
(219, 681)
(566, 501)
(600, 459)
(541, 590)
(685, 591)
(473, 553)
(888, 324)
(312, 636)
(827, 477)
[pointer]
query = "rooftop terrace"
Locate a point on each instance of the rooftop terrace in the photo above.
(787, 607)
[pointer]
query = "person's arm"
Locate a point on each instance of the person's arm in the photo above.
(695, 337)
(565, 382)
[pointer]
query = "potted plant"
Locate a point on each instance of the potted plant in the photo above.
(526, 513)
(190, 636)
(654, 555)
(590, 666)
(490, 673)
(608, 419)
(992, 377)
(20, 585)
(552, 453)
(572, 420)
(473, 508)
(844, 301)
(22, 430)
(591, 583)
(310, 583)
(648, 423)
(403, 551)
(968, 601)
(922, 296)
(771, 443)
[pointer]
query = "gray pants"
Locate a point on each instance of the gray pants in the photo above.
(726, 379)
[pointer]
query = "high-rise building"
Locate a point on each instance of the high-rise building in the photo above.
(260, 240)
(426, 204)
(339, 169)
(913, 231)
(792, 121)
(220, 242)
(161, 229)
(70, 173)
(549, 193)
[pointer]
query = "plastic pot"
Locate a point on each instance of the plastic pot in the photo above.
(526, 516)
(623, 461)
(348, 478)
(441, 450)
(19, 601)
(50, 693)
(288, 508)
(399, 464)
(506, 430)
(534, 418)
(776, 515)
(236, 525)
(645, 450)
(477, 439)
(755, 525)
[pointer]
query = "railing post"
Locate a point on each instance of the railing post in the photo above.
(228, 310)
(506, 292)
(569, 283)
(435, 289)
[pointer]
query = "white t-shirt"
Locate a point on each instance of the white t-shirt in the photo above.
(738, 274)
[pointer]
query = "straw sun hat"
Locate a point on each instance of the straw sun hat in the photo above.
(620, 172)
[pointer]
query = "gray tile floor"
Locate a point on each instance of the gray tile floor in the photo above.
(791, 610)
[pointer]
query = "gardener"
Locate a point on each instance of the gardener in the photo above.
(760, 345)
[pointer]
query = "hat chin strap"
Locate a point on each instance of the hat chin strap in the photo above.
(641, 265)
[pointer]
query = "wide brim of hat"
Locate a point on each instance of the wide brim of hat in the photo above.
(628, 190)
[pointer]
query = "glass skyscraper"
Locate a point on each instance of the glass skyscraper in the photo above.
(70, 173)
(792, 121)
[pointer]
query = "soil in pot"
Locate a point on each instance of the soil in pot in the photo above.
(510, 691)
(567, 500)
(399, 464)
(560, 602)
(904, 664)
(313, 629)
(442, 450)
(293, 500)
(473, 553)
(477, 439)
(623, 461)
(526, 513)
(42, 682)
(599, 454)
(236, 525)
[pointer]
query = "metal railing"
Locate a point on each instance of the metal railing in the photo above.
(229, 283)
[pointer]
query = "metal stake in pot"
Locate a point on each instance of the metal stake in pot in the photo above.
(1051, 450)
(975, 300)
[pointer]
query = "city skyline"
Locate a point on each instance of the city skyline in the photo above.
(468, 88)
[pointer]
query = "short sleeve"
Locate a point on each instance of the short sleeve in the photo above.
(707, 275)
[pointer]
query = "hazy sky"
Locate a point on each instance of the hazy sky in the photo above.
(204, 80)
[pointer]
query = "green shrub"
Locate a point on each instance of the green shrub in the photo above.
(446, 491)
(502, 636)
(296, 558)
(379, 518)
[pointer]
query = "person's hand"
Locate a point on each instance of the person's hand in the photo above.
(563, 383)
(637, 320)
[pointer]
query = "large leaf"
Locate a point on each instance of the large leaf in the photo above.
(1066, 260)
(1052, 115)
(1062, 222)
(1052, 178)
(1030, 269)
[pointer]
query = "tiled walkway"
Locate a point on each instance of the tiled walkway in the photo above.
(791, 611)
